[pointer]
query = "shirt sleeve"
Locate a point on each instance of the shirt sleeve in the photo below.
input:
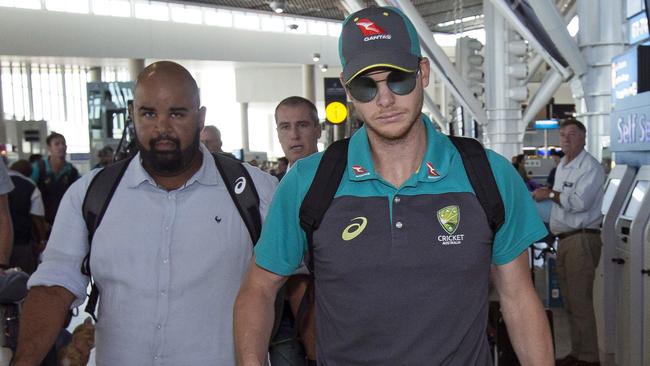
(522, 225)
(6, 185)
(283, 242)
(37, 208)
(67, 245)
(587, 186)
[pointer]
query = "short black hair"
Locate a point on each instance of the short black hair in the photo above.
(52, 136)
(572, 121)
(296, 101)
(283, 160)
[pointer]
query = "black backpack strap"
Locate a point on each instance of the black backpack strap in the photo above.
(314, 205)
(242, 190)
(98, 196)
(322, 191)
(482, 179)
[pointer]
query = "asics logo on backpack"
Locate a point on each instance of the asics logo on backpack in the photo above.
(240, 185)
(353, 230)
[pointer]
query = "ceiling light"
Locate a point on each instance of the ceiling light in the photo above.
(316, 57)
(323, 68)
(278, 6)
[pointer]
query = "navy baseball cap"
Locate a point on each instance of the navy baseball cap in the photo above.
(378, 37)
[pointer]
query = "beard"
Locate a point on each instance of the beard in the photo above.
(169, 162)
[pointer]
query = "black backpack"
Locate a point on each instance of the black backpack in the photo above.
(101, 189)
(331, 169)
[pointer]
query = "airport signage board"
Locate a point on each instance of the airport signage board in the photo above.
(630, 124)
(625, 75)
(638, 28)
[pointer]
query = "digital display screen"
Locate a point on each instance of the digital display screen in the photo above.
(636, 198)
(610, 192)
(547, 124)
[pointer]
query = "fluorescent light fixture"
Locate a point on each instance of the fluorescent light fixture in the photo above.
(317, 28)
(462, 20)
(115, 8)
(334, 29)
(70, 6)
(220, 18)
(248, 21)
(186, 14)
(152, 11)
(272, 23)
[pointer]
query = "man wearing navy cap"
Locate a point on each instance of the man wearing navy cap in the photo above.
(404, 253)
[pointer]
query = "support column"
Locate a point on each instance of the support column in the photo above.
(504, 131)
(309, 82)
(243, 108)
(94, 74)
(135, 67)
(601, 37)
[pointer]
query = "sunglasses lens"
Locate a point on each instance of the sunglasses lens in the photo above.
(401, 83)
(363, 88)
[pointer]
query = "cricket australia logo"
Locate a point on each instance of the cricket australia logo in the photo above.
(449, 218)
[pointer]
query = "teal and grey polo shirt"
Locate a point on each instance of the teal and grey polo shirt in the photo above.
(401, 273)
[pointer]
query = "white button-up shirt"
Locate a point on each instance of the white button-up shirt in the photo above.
(168, 265)
(580, 183)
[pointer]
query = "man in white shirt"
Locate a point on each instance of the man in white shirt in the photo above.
(171, 250)
(577, 194)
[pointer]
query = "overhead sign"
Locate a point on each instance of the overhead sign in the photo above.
(624, 75)
(336, 103)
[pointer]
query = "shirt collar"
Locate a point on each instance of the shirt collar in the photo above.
(434, 166)
(575, 163)
(206, 175)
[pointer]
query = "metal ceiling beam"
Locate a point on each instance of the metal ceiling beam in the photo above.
(440, 6)
(504, 9)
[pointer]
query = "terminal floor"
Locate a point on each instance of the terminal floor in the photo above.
(562, 339)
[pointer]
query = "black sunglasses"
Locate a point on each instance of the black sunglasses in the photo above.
(364, 88)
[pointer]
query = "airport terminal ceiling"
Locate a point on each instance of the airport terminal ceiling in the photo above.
(437, 13)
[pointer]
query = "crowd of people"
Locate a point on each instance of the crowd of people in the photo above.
(395, 273)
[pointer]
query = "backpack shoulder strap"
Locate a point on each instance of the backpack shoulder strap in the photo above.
(322, 190)
(242, 190)
(482, 179)
(98, 196)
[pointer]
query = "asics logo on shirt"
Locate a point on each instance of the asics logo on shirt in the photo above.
(355, 229)
(240, 185)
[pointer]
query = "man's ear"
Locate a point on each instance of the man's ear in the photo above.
(346, 89)
(425, 70)
(201, 118)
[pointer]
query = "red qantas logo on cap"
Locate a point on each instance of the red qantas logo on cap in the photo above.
(432, 170)
(359, 171)
(368, 27)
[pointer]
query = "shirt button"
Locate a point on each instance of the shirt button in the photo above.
(159, 326)
(397, 199)
(156, 357)
(163, 293)
(166, 228)
(165, 261)
(399, 225)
